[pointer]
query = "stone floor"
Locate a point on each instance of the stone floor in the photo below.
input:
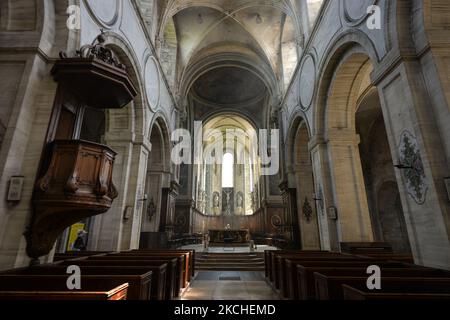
(229, 285)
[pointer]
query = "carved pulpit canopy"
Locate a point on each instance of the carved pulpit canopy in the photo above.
(95, 76)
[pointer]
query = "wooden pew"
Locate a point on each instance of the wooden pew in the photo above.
(401, 289)
(39, 287)
(190, 253)
(138, 278)
(329, 281)
(159, 269)
(278, 265)
(305, 273)
(174, 272)
(273, 260)
(365, 247)
(268, 254)
(77, 254)
(190, 256)
(407, 258)
(184, 264)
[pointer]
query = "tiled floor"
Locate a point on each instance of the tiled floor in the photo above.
(208, 286)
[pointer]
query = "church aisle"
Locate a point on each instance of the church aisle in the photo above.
(228, 285)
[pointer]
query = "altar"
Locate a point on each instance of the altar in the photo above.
(241, 236)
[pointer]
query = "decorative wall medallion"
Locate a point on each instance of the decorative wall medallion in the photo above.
(307, 211)
(105, 12)
(275, 221)
(355, 11)
(152, 83)
(307, 82)
(413, 171)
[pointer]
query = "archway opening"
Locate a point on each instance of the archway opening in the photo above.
(157, 180)
(302, 176)
(228, 177)
(360, 157)
(383, 195)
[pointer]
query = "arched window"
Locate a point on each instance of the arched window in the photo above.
(228, 170)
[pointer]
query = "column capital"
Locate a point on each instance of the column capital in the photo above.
(316, 141)
(143, 141)
(337, 137)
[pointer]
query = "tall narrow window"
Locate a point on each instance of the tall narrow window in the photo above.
(228, 171)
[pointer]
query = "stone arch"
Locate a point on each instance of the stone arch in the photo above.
(160, 125)
(382, 191)
(19, 15)
(168, 53)
(301, 185)
(210, 60)
(158, 176)
(134, 113)
(289, 50)
(345, 44)
(348, 78)
(125, 135)
(343, 118)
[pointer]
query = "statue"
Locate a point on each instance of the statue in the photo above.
(216, 203)
(227, 203)
(239, 203)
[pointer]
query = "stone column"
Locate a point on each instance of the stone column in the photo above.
(303, 15)
(417, 145)
(136, 189)
(107, 230)
(307, 219)
(289, 196)
(354, 224)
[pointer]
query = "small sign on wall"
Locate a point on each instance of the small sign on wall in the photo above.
(332, 213)
(15, 188)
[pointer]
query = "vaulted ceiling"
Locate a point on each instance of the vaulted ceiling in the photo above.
(245, 32)
(229, 52)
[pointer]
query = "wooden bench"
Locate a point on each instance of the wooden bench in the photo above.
(272, 264)
(190, 256)
(401, 289)
(329, 281)
(51, 287)
(283, 281)
(184, 261)
(305, 273)
(138, 278)
(268, 259)
(174, 271)
(159, 269)
(76, 254)
(278, 265)
(365, 247)
(407, 258)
